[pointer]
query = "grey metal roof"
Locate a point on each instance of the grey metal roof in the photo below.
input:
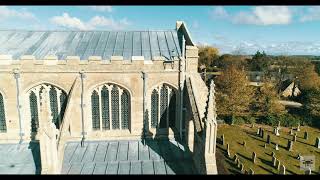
(20, 159)
(127, 157)
(90, 43)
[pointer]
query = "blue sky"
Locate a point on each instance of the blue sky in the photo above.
(232, 29)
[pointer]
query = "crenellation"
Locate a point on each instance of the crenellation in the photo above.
(5, 59)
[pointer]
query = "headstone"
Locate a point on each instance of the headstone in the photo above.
(278, 164)
(273, 154)
(277, 147)
(241, 167)
(222, 139)
(244, 143)
(283, 170)
(308, 172)
(235, 158)
(294, 138)
(252, 125)
(265, 146)
(279, 125)
(268, 139)
(228, 150)
(274, 160)
(317, 143)
(291, 131)
(290, 145)
(306, 135)
(238, 162)
(298, 129)
(254, 155)
(258, 131)
(262, 133)
(251, 171)
(277, 132)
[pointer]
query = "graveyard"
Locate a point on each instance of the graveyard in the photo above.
(262, 149)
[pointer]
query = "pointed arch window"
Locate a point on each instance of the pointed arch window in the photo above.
(3, 126)
(63, 105)
(163, 107)
(115, 108)
(54, 106)
(34, 112)
(95, 110)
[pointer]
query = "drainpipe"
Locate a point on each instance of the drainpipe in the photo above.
(83, 133)
(16, 75)
(145, 124)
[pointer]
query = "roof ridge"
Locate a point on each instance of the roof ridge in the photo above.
(25, 30)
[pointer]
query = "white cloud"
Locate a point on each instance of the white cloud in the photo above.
(7, 13)
(94, 23)
(312, 14)
(102, 8)
(260, 15)
(265, 15)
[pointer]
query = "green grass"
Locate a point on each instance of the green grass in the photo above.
(235, 135)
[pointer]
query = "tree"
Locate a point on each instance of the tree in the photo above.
(226, 60)
(266, 101)
(311, 105)
(259, 62)
(207, 55)
(234, 94)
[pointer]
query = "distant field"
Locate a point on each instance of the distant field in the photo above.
(235, 135)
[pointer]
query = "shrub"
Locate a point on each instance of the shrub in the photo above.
(249, 119)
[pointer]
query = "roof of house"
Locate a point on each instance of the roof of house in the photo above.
(91, 43)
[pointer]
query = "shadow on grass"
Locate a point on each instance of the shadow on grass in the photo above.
(255, 137)
(291, 172)
(241, 155)
(268, 170)
(304, 143)
(264, 161)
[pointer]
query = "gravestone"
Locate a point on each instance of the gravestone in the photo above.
(268, 139)
(308, 172)
(222, 139)
(299, 156)
(283, 170)
(262, 134)
(244, 143)
(265, 146)
(277, 147)
(258, 131)
(251, 171)
(317, 143)
(278, 164)
(290, 145)
(298, 129)
(241, 167)
(306, 135)
(238, 163)
(273, 154)
(291, 131)
(274, 160)
(279, 125)
(294, 138)
(254, 155)
(252, 125)
(235, 158)
(277, 132)
(228, 150)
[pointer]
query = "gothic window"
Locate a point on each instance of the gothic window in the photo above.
(154, 108)
(125, 110)
(3, 127)
(34, 112)
(54, 106)
(163, 107)
(115, 107)
(95, 110)
(63, 104)
(105, 108)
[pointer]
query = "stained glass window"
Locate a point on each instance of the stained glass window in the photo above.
(172, 109)
(105, 108)
(34, 112)
(54, 106)
(163, 106)
(125, 110)
(95, 110)
(154, 108)
(63, 104)
(115, 107)
(3, 127)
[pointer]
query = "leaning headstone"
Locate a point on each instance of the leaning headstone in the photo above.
(283, 170)
(238, 163)
(268, 139)
(294, 138)
(228, 150)
(274, 160)
(308, 172)
(290, 144)
(241, 167)
(251, 171)
(254, 155)
(235, 158)
(222, 139)
(298, 129)
(277, 147)
(306, 135)
(317, 143)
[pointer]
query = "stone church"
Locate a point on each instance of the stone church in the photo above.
(104, 102)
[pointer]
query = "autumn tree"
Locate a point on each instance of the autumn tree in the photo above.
(234, 94)
(259, 62)
(311, 105)
(207, 54)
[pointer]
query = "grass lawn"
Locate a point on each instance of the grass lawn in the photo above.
(236, 134)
